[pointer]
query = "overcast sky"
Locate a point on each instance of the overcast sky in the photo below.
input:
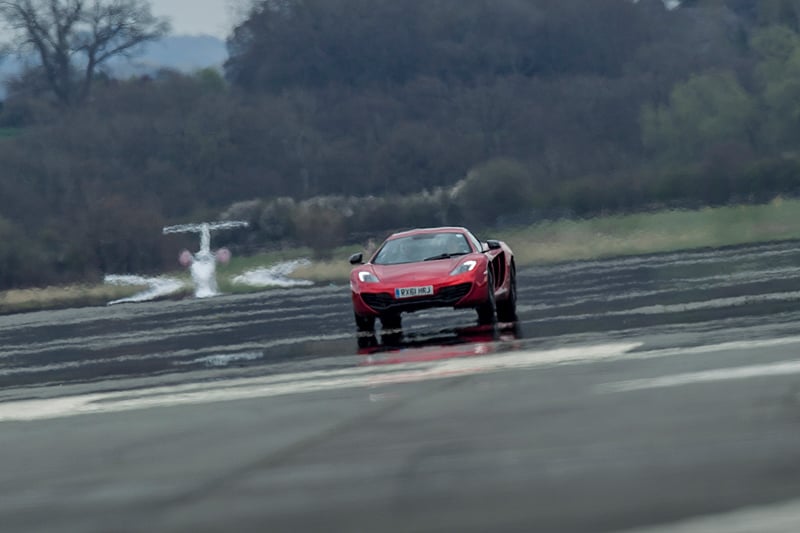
(193, 17)
(212, 17)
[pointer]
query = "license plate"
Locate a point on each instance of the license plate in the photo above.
(410, 292)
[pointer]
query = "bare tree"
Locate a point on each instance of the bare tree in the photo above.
(72, 38)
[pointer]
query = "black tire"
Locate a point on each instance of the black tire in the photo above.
(487, 312)
(391, 330)
(366, 331)
(507, 309)
(391, 322)
(367, 340)
(365, 324)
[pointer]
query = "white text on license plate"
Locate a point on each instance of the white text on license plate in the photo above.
(410, 292)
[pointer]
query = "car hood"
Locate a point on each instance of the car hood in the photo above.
(427, 271)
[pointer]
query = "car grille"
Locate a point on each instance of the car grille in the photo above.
(444, 297)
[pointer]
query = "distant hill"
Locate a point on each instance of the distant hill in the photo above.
(181, 52)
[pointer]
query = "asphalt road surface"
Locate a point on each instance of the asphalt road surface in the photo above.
(645, 394)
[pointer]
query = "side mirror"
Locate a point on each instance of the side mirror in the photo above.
(493, 245)
(357, 259)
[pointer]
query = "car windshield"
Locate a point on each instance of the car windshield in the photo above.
(423, 247)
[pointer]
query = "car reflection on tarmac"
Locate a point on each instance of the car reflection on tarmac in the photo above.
(396, 347)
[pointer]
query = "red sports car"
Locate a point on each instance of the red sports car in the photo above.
(433, 267)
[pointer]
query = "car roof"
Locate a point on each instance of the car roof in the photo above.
(423, 231)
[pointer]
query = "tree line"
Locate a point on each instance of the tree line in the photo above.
(334, 119)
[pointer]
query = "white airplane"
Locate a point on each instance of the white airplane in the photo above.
(203, 264)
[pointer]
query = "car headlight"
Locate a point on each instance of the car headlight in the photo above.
(367, 277)
(466, 266)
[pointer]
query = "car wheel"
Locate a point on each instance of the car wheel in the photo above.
(365, 324)
(391, 322)
(487, 312)
(391, 332)
(507, 309)
(366, 331)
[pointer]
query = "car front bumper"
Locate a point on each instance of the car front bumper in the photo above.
(380, 300)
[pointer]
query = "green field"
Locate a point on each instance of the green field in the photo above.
(655, 232)
(546, 242)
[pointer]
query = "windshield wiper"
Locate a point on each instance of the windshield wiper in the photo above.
(444, 256)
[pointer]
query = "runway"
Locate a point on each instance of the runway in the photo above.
(657, 393)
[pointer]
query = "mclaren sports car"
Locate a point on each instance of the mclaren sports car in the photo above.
(433, 267)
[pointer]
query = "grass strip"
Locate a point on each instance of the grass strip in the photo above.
(646, 233)
(20, 300)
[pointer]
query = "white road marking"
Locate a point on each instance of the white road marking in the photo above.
(227, 359)
(776, 518)
(707, 376)
(212, 351)
(378, 375)
(619, 291)
(662, 309)
(315, 381)
(721, 347)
